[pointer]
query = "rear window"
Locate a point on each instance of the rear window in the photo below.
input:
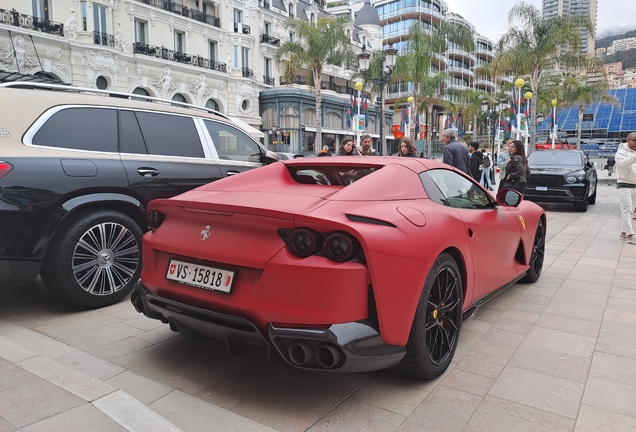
(340, 175)
(91, 129)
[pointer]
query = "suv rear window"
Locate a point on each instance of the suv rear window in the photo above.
(92, 129)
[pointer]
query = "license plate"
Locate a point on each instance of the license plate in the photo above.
(200, 276)
(542, 188)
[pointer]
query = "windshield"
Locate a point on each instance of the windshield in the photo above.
(543, 158)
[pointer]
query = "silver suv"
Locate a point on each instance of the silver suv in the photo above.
(77, 169)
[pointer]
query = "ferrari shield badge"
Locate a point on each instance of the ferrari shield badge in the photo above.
(205, 233)
(4, 133)
(523, 222)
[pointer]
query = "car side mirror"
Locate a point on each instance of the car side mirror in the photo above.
(509, 198)
(270, 157)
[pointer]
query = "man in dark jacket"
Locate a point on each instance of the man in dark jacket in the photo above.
(475, 161)
(455, 154)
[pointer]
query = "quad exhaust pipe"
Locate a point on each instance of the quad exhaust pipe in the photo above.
(300, 353)
(326, 356)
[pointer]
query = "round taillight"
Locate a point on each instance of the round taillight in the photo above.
(154, 220)
(340, 247)
(304, 242)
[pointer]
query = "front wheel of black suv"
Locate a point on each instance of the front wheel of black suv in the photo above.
(592, 198)
(95, 259)
(581, 205)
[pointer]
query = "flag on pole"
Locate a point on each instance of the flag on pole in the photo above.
(365, 109)
(513, 109)
(348, 117)
(460, 125)
(403, 121)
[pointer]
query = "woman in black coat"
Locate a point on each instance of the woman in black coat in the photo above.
(516, 169)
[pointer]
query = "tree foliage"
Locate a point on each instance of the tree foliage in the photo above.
(532, 45)
(315, 47)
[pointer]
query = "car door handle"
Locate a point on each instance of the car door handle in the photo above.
(231, 173)
(148, 172)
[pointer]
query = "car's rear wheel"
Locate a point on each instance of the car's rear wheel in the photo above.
(437, 322)
(538, 255)
(592, 198)
(95, 259)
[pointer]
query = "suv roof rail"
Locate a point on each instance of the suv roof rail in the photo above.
(67, 88)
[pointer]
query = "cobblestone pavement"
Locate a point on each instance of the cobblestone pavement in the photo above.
(556, 355)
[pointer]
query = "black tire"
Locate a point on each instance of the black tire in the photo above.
(435, 331)
(95, 259)
(592, 198)
(581, 205)
(538, 255)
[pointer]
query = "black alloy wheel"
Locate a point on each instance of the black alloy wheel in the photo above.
(538, 255)
(95, 259)
(435, 331)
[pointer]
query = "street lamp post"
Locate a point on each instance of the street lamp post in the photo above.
(553, 131)
(358, 87)
(519, 83)
(387, 63)
(273, 130)
(528, 96)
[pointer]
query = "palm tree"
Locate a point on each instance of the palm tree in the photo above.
(414, 64)
(578, 91)
(314, 47)
(532, 45)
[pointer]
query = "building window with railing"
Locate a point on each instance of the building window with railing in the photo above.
(40, 8)
(238, 20)
(213, 49)
(100, 28)
(140, 32)
(178, 42)
(291, 10)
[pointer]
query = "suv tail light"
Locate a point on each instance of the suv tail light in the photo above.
(5, 167)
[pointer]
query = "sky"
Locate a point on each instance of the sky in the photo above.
(490, 17)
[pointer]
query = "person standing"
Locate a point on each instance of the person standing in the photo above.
(325, 151)
(348, 148)
(455, 154)
(485, 172)
(475, 160)
(611, 161)
(502, 159)
(367, 150)
(626, 185)
(516, 170)
(407, 149)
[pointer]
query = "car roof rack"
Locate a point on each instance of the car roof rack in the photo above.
(67, 88)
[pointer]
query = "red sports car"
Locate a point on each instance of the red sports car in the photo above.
(341, 263)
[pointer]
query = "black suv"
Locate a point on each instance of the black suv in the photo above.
(79, 166)
(561, 176)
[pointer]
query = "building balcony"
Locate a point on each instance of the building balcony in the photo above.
(103, 39)
(484, 83)
(300, 80)
(179, 57)
(269, 39)
(484, 53)
(457, 52)
(453, 86)
(460, 71)
(14, 18)
(419, 12)
(241, 28)
(247, 72)
(269, 80)
(179, 9)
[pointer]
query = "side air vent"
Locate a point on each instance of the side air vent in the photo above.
(372, 221)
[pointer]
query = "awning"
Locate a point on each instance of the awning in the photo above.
(255, 133)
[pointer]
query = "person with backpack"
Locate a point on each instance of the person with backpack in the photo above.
(485, 172)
